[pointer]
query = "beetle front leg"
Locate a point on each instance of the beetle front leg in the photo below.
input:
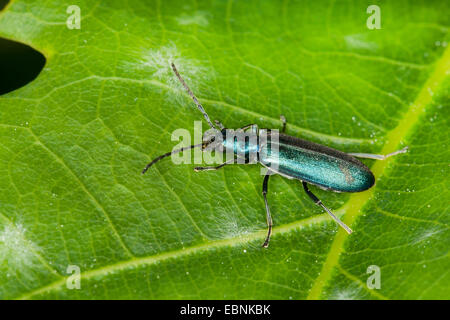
(379, 156)
(268, 216)
(283, 120)
(197, 169)
(320, 204)
(219, 124)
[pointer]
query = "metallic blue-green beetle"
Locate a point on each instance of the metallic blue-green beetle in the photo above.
(289, 157)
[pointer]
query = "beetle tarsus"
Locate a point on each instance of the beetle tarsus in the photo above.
(283, 120)
(266, 242)
(169, 154)
(268, 216)
(379, 156)
(197, 169)
(319, 203)
(219, 124)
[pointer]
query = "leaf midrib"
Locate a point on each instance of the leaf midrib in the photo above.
(394, 137)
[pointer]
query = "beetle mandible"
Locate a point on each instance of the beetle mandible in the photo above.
(290, 157)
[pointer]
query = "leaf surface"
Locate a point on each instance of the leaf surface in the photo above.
(73, 143)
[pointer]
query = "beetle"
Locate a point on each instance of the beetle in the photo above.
(290, 157)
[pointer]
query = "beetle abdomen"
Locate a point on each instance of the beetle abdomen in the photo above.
(316, 164)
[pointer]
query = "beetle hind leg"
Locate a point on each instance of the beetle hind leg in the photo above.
(320, 204)
(379, 156)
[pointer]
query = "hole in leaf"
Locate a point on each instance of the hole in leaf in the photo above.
(19, 65)
(3, 4)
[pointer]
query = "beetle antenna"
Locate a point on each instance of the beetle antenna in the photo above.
(199, 106)
(169, 154)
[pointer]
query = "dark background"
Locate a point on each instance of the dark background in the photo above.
(19, 63)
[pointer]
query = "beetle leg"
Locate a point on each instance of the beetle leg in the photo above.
(283, 120)
(379, 156)
(246, 127)
(319, 203)
(268, 217)
(219, 124)
(197, 169)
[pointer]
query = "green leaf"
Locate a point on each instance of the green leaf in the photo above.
(74, 141)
